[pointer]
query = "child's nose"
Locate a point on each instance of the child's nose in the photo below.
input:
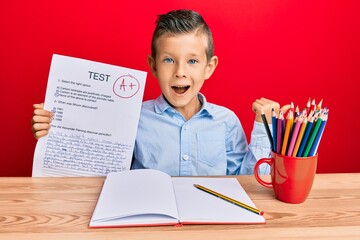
(180, 70)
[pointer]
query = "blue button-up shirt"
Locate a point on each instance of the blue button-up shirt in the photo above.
(212, 142)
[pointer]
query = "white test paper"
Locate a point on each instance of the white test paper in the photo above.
(96, 110)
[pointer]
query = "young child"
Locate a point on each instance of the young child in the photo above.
(181, 133)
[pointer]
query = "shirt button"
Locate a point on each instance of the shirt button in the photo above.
(185, 157)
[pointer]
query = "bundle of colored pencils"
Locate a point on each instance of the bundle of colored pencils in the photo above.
(300, 133)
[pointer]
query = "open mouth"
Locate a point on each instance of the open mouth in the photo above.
(180, 89)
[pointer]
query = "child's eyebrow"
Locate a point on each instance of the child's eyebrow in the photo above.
(193, 55)
(165, 52)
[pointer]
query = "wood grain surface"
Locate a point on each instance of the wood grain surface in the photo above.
(60, 208)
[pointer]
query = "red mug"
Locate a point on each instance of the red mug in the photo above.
(291, 177)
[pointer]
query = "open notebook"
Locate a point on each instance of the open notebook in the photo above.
(150, 197)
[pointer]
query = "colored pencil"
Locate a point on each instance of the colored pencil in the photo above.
(283, 128)
(313, 105)
(305, 137)
(318, 107)
(312, 137)
(274, 127)
(279, 133)
(289, 123)
(228, 199)
(315, 145)
(292, 107)
(299, 137)
(308, 104)
(267, 129)
(297, 112)
(311, 114)
(294, 135)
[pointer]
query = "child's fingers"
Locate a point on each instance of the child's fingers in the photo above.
(40, 134)
(267, 104)
(256, 107)
(260, 107)
(40, 129)
(40, 126)
(41, 119)
(285, 108)
(42, 112)
(38, 105)
(270, 104)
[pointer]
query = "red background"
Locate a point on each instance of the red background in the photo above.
(282, 50)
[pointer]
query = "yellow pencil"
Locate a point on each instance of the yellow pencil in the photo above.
(231, 200)
(289, 123)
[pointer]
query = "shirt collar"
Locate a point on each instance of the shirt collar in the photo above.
(161, 105)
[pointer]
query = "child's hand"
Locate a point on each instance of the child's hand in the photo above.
(41, 121)
(266, 106)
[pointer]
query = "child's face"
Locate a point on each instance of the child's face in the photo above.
(181, 68)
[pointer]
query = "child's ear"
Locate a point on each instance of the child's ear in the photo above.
(152, 65)
(211, 66)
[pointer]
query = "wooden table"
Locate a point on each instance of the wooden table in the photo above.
(60, 208)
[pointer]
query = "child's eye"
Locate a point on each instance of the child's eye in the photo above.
(168, 60)
(192, 61)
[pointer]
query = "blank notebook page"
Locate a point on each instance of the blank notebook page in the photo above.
(198, 206)
(153, 195)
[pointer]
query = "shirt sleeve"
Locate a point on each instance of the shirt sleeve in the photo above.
(241, 156)
(260, 145)
(236, 148)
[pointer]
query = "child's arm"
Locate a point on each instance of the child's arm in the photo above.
(41, 121)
